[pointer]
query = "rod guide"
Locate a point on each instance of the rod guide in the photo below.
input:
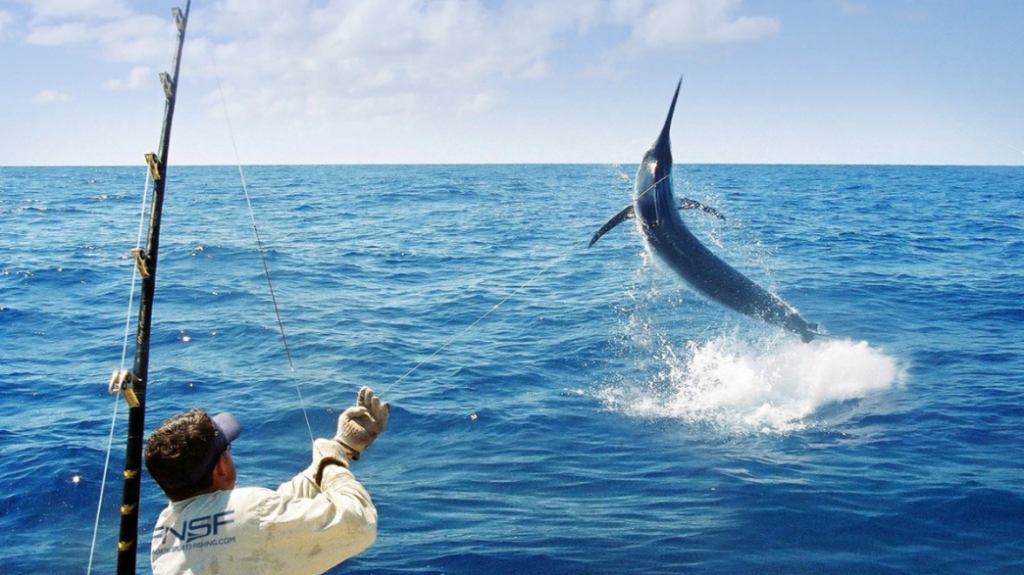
(122, 382)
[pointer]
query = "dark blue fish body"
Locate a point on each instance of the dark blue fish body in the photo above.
(668, 238)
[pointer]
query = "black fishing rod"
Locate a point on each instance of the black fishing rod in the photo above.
(132, 384)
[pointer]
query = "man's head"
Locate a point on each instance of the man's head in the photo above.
(189, 452)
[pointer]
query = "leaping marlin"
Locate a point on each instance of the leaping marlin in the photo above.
(667, 236)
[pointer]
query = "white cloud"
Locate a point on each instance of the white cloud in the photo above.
(137, 79)
(78, 9)
(430, 53)
(667, 25)
(345, 59)
(50, 96)
(414, 54)
(661, 23)
(109, 27)
(133, 39)
(61, 34)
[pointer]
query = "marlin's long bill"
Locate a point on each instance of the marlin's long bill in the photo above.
(667, 236)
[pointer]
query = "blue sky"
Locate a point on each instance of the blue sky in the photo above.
(537, 81)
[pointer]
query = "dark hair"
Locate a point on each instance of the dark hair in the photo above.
(178, 452)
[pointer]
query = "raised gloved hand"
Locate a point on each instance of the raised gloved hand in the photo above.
(359, 425)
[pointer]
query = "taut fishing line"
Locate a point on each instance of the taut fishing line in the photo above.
(259, 242)
(559, 259)
(1011, 146)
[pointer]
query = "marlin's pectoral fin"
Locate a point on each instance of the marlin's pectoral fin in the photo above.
(811, 333)
(688, 204)
(625, 214)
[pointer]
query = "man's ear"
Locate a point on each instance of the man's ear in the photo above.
(221, 469)
(224, 474)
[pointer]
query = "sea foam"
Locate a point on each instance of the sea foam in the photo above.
(756, 386)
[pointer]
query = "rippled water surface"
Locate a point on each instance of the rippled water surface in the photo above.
(556, 409)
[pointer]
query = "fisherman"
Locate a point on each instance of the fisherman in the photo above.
(320, 518)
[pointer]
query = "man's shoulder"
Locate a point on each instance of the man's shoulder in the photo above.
(239, 496)
(247, 496)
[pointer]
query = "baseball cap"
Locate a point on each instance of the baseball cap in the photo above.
(228, 430)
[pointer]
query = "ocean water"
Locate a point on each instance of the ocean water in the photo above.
(555, 409)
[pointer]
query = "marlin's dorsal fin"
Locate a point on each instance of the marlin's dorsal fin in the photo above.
(661, 146)
(625, 214)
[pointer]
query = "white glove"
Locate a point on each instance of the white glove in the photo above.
(359, 425)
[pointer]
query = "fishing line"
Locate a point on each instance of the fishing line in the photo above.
(1011, 146)
(564, 256)
(259, 241)
(103, 485)
(124, 355)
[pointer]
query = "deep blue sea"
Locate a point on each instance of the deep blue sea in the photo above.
(555, 408)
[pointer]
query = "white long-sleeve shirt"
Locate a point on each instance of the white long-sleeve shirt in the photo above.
(298, 529)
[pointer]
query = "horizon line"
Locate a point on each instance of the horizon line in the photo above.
(358, 164)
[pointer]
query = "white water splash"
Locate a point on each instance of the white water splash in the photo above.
(759, 386)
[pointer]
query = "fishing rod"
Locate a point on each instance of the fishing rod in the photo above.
(132, 384)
